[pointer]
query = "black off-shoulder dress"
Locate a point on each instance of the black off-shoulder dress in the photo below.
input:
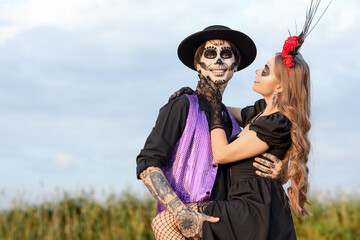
(256, 208)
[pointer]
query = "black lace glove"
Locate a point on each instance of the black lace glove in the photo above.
(181, 91)
(210, 93)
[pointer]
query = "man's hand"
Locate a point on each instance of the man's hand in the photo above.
(181, 91)
(210, 93)
(190, 222)
(269, 166)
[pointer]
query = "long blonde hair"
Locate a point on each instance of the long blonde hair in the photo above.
(294, 103)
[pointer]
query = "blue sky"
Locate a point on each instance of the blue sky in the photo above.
(82, 82)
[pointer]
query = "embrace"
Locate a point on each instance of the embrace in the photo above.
(216, 171)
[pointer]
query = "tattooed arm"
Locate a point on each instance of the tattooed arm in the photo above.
(189, 222)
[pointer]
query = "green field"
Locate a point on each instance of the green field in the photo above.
(126, 216)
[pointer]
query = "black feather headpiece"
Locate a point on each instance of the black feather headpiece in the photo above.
(293, 43)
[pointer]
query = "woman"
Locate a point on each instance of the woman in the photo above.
(277, 124)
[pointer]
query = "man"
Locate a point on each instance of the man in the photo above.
(176, 163)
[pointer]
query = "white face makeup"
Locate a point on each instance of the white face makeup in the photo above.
(266, 82)
(217, 62)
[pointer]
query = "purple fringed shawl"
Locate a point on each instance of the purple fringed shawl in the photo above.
(191, 170)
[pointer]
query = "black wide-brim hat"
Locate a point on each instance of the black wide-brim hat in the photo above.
(246, 46)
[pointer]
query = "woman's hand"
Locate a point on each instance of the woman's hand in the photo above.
(181, 91)
(269, 166)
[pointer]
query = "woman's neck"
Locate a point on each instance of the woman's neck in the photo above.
(269, 107)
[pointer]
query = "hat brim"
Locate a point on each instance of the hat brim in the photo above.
(246, 47)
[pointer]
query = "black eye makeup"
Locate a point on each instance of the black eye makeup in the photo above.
(226, 53)
(266, 71)
(211, 53)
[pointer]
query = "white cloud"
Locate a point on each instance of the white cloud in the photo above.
(64, 160)
(64, 14)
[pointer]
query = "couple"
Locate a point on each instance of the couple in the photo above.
(205, 172)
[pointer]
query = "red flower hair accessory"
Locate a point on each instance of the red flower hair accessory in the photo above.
(288, 51)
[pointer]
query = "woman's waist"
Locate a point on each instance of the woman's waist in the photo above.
(242, 169)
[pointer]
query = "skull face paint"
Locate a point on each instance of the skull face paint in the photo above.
(217, 62)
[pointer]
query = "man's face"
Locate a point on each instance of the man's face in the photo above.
(217, 62)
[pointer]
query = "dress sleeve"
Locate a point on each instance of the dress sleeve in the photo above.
(168, 129)
(249, 112)
(274, 130)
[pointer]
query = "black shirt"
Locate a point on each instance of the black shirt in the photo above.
(168, 129)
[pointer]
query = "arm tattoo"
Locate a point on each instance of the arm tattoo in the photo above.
(160, 184)
(175, 204)
(159, 187)
(188, 221)
(145, 175)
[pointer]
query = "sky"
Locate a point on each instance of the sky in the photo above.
(82, 81)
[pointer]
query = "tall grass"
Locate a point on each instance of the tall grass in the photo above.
(332, 218)
(80, 217)
(128, 217)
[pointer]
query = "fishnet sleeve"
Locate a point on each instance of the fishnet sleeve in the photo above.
(164, 224)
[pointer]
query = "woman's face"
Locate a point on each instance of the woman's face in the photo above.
(266, 82)
(217, 62)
